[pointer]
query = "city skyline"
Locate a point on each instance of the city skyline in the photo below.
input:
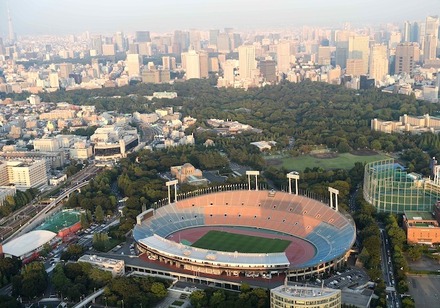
(72, 17)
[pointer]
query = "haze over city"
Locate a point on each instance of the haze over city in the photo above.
(67, 17)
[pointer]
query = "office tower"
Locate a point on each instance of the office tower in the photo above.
(108, 49)
(415, 32)
(268, 70)
(431, 25)
(11, 33)
(223, 43)
(394, 39)
(96, 68)
(133, 48)
(359, 48)
(341, 54)
(407, 55)
(355, 67)
(97, 44)
(119, 41)
(430, 47)
(180, 41)
(213, 64)
(213, 35)
(284, 53)
(142, 36)
(247, 63)
(65, 70)
(229, 72)
(407, 31)
(166, 62)
(378, 62)
(195, 39)
(236, 40)
(324, 55)
(191, 63)
(54, 80)
(204, 64)
(133, 64)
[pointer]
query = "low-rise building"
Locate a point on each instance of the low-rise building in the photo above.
(113, 142)
(422, 227)
(188, 174)
(288, 296)
(116, 267)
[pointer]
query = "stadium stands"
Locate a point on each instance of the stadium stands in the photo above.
(331, 233)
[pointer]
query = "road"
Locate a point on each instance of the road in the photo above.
(393, 299)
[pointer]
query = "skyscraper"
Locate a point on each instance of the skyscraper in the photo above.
(247, 62)
(213, 35)
(142, 36)
(65, 70)
(359, 48)
(284, 53)
(378, 62)
(192, 64)
(223, 43)
(407, 55)
(119, 41)
(11, 33)
(268, 71)
(97, 44)
(407, 31)
(431, 38)
(133, 64)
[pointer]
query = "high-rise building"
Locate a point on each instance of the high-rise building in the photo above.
(65, 70)
(213, 35)
(355, 67)
(133, 64)
(11, 33)
(359, 48)
(223, 43)
(54, 81)
(108, 49)
(284, 54)
(406, 31)
(247, 62)
(341, 54)
(166, 62)
(430, 47)
(268, 70)
(415, 33)
(119, 41)
(324, 55)
(204, 64)
(378, 62)
(97, 44)
(142, 36)
(192, 64)
(407, 55)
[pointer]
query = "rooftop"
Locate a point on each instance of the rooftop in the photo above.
(414, 215)
(28, 242)
(304, 291)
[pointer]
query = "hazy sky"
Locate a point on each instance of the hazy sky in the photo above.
(76, 16)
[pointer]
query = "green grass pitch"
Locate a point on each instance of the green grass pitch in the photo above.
(225, 241)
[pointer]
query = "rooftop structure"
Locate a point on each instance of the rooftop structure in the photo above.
(114, 142)
(303, 296)
(25, 245)
(413, 124)
(116, 267)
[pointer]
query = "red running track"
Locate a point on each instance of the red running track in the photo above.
(299, 250)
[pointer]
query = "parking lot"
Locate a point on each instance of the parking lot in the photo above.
(351, 278)
(425, 290)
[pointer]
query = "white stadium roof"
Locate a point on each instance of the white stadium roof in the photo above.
(167, 247)
(28, 242)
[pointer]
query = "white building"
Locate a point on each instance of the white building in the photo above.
(287, 296)
(25, 174)
(112, 142)
(116, 267)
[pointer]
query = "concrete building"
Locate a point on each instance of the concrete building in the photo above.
(422, 227)
(378, 62)
(247, 63)
(407, 55)
(112, 142)
(25, 174)
(133, 65)
(81, 150)
(359, 48)
(268, 70)
(187, 173)
(116, 267)
(293, 296)
(65, 70)
(284, 56)
(46, 145)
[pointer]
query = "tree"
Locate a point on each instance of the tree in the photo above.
(32, 281)
(415, 252)
(198, 299)
(99, 214)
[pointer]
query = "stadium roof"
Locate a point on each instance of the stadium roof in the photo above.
(28, 242)
(218, 257)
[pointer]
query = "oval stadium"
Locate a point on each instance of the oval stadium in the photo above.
(251, 233)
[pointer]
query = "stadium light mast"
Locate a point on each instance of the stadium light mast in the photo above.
(256, 173)
(334, 192)
(168, 184)
(293, 176)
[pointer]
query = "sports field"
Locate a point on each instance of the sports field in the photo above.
(60, 221)
(340, 161)
(225, 241)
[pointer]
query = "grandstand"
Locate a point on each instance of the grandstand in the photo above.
(320, 236)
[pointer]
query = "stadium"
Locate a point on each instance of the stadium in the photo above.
(234, 231)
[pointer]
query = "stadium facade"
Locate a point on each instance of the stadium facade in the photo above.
(307, 221)
(390, 188)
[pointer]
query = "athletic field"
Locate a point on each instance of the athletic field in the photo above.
(60, 220)
(343, 161)
(231, 242)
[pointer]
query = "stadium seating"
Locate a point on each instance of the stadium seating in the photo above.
(328, 230)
